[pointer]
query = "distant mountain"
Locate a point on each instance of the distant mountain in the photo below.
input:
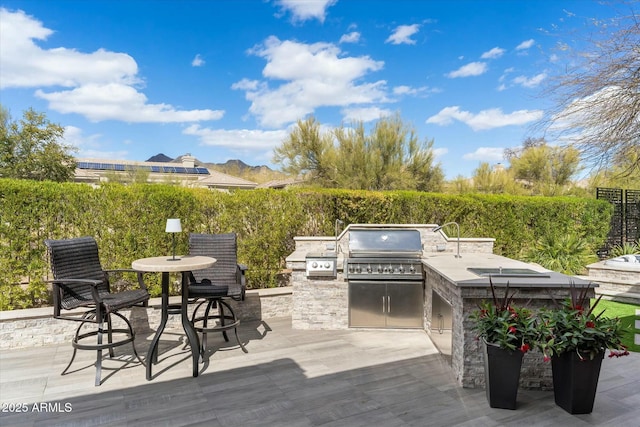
(233, 167)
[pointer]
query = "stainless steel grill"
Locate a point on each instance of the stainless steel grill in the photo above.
(385, 275)
(384, 254)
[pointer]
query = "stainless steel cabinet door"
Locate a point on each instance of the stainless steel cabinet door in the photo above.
(375, 304)
(405, 305)
(367, 304)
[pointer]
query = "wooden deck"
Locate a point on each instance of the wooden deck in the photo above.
(289, 378)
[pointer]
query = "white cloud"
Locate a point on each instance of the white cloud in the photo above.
(240, 140)
(365, 114)
(402, 34)
(486, 154)
(88, 146)
(101, 85)
(525, 44)
(494, 53)
(246, 84)
(579, 121)
(530, 82)
(115, 101)
(197, 61)
(415, 91)
(471, 69)
(306, 10)
(314, 75)
(24, 64)
(440, 152)
(485, 119)
(74, 137)
(352, 37)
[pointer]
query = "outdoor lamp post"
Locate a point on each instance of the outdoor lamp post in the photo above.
(435, 230)
(173, 227)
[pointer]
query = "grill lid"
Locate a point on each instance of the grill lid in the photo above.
(385, 242)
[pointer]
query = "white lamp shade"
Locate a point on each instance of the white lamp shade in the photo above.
(173, 226)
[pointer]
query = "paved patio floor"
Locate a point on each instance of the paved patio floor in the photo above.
(289, 378)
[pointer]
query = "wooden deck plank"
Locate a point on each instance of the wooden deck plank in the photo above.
(291, 378)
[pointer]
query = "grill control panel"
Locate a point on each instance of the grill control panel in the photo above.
(383, 269)
(321, 265)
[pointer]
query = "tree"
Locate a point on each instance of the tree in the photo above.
(543, 168)
(391, 157)
(306, 151)
(619, 175)
(30, 149)
(495, 181)
(597, 97)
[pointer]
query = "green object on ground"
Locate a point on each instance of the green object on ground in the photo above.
(627, 314)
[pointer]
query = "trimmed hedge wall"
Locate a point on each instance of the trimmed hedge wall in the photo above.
(128, 222)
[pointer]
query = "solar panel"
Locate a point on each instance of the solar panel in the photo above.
(121, 167)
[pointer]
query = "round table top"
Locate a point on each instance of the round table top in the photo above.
(165, 264)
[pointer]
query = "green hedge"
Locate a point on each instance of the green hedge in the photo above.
(128, 223)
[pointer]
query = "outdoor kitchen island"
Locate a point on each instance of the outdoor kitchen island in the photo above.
(451, 288)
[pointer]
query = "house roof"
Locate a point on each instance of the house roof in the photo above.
(92, 169)
(281, 183)
(219, 179)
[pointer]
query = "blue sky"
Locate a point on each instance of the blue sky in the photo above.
(227, 79)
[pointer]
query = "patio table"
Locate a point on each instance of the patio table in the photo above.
(166, 265)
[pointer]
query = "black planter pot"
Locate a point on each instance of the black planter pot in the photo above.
(501, 375)
(575, 381)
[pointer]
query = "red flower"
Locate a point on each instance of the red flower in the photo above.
(547, 358)
(512, 329)
(590, 324)
(524, 348)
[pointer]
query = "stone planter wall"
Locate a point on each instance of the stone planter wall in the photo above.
(618, 283)
(36, 327)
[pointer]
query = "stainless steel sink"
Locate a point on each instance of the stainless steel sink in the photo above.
(506, 272)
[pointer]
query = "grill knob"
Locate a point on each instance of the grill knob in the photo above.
(314, 264)
(368, 269)
(327, 265)
(358, 269)
(412, 269)
(401, 269)
(379, 269)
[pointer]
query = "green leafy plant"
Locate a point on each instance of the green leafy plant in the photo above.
(573, 326)
(627, 248)
(565, 253)
(504, 324)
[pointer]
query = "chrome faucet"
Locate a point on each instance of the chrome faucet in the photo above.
(338, 223)
(435, 230)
